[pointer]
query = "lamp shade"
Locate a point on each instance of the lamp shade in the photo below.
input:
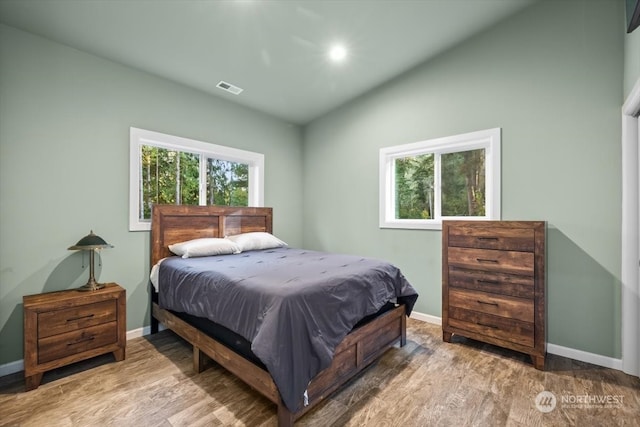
(89, 242)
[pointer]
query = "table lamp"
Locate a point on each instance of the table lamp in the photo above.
(91, 243)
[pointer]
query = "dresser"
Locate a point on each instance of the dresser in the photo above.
(493, 284)
(68, 326)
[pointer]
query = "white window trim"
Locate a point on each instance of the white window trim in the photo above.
(140, 137)
(489, 139)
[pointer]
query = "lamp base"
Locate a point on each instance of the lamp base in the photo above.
(91, 286)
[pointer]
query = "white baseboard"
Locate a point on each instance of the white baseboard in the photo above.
(571, 353)
(584, 356)
(141, 332)
(11, 367)
(426, 318)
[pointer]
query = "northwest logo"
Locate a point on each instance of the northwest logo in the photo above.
(545, 401)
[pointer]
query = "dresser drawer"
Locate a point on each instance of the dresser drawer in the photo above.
(508, 239)
(504, 306)
(493, 326)
(78, 341)
(494, 282)
(512, 262)
(70, 319)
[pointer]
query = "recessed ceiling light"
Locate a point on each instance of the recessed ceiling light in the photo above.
(338, 53)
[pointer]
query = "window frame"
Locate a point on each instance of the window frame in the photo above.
(139, 137)
(489, 139)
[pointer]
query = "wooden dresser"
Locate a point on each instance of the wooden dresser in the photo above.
(493, 284)
(68, 326)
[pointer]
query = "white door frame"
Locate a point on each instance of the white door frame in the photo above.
(631, 233)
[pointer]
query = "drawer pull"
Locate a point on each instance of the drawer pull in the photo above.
(73, 319)
(81, 341)
(488, 282)
(488, 326)
(487, 303)
(493, 261)
(487, 238)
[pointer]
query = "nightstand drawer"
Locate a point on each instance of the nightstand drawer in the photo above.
(504, 306)
(74, 318)
(494, 282)
(492, 260)
(59, 346)
(497, 327)
(506, 239)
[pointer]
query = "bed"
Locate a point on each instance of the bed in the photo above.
(371, 336)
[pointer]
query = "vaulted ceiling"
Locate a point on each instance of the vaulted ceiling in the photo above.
(277, 51)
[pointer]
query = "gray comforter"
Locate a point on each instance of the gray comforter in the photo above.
(294, 305)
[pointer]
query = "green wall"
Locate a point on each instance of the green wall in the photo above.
(64, 168)
(551, 78)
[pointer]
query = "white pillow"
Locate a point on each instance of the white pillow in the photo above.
(256, 240)
(204, 247)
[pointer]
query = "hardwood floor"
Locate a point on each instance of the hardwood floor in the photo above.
(425, 383)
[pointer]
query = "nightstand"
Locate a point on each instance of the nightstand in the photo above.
(65, 327)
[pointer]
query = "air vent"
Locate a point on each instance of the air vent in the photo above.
(230, 88)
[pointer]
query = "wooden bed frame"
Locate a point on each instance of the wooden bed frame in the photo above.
(364, 345)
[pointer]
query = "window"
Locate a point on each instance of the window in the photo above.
(456, 177)
(181, 171)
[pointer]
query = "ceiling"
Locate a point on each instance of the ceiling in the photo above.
(276, 50)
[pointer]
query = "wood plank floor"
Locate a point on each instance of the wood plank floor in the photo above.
(425, 383)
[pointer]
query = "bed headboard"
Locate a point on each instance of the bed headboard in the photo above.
(172, 224)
